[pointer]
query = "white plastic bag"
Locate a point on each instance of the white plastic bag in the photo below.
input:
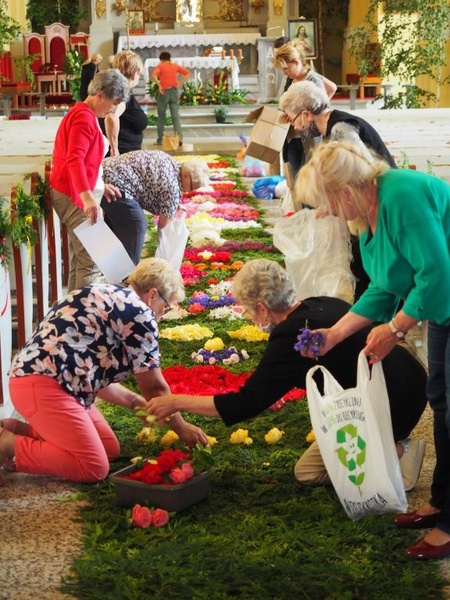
(172, 241)
(353, 429)
(317, 254)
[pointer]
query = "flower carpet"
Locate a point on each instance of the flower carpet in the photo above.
(256, 535)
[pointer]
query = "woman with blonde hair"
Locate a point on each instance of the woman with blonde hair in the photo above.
(89, 69)
(291, 59)
(125, 128)
(404, 219)
(87, 344)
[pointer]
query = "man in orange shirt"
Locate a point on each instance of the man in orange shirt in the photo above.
(166, 75)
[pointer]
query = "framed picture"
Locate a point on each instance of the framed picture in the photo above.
(305, 30)
(136, 22)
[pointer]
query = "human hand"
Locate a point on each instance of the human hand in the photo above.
(92, 211)
(162, 407)
(379, 343)
(111, 192)
(191, 434)
(314, 350)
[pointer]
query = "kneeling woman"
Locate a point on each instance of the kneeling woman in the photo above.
(89, 342)
(267, 293)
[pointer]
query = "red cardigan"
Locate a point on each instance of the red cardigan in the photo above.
(78, 153)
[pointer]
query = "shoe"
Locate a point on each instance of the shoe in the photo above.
(414, 521)
(180, 143)
(411, 462)
(423, 550)
(157, 143)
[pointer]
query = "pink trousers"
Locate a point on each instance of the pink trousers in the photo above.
(64, 438)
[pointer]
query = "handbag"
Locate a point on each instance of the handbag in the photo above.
(353, 429)
(170, 142)
(172, 240)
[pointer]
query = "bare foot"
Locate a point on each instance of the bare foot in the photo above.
(437, 537)
(427, 509)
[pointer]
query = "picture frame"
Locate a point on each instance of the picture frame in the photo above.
(306, 31)
(136, 22)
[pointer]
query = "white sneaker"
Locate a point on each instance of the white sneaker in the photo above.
(411, 462)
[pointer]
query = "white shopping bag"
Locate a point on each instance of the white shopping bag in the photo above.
(354, 431)
(172, 241)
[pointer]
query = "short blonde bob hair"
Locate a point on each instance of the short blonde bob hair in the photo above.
(287, 53)
(265, 281)
(129, 63)
(157, 273)
(334, 170)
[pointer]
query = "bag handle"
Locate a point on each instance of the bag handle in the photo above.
(330, 384)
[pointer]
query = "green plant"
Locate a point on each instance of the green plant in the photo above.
(9, 28)
(152, 88)
(152, 120)
(41, 13)
(73, 62)
(5, 232)
(221, 112)
(23, 65)
(408, 46)
(192, 94)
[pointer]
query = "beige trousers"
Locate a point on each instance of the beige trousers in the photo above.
(310, 468)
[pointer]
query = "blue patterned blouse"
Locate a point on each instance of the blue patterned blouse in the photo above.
(95, 336)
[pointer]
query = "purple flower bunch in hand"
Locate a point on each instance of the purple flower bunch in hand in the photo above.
(309, 341)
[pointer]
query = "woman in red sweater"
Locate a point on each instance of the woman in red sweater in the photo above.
(76, 177)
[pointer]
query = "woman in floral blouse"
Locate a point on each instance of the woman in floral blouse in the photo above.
(89, 342)
(146, 180)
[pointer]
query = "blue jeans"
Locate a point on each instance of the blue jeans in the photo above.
(127, 220)
(438, 392)
(168, 99)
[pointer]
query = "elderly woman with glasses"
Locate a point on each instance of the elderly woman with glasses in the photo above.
(267, 293)
(403, 217)
(87, 344)
(307, 107)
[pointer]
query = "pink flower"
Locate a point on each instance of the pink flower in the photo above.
(141, 516)
(178, 476)
(160, 517)
(188, 469)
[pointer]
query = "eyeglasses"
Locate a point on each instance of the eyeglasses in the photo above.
(167, 307)
(292, 121)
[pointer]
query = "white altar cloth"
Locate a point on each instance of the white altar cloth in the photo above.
(189, 39)
(200, 62)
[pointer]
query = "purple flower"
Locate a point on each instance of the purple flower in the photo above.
(309, 341)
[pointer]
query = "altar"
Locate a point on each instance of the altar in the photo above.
(193, 45)
(200, 65)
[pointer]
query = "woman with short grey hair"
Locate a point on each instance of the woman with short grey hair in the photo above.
(76, 177)
(266, 292)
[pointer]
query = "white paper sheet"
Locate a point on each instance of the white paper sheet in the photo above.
(105, 249)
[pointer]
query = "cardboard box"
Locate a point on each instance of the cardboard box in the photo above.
(268, 135)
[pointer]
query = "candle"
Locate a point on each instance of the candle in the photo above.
(223, 53)
(156, 27)
(231, 53)
(239, 53)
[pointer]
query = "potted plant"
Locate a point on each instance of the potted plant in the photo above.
(221, 114)
(73, 62)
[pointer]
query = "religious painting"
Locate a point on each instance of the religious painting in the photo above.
(189, 11)
(136, 22)
(305, 30)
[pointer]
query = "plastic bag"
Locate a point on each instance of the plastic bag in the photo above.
(172, 241)
(353, 429)
(253, 167)
(265, 188)
(317, 254)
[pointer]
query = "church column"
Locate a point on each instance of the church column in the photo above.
(101, 31)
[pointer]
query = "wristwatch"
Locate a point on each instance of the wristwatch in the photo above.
(396, 331)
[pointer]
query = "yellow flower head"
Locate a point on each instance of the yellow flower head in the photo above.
(311, 437)
(249, 333)
(273, 436)
(136, 459)
(169, 438)
(186, 333)
(211, 440)
(240, 436)
(146, 436)
(214, 344)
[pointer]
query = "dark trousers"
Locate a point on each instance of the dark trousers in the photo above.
(127, 220)
(438, 392)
